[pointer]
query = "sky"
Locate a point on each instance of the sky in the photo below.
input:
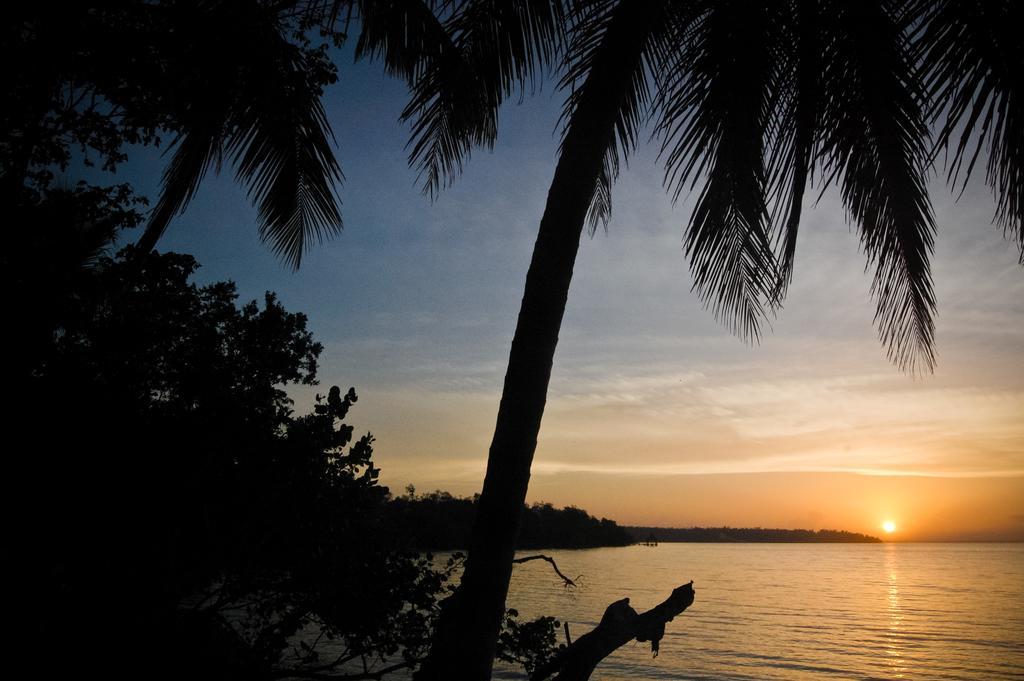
(656, 414)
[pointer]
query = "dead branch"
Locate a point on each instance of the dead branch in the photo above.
(540, 556)
(619, 625)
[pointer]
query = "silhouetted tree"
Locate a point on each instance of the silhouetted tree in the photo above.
(184, 522)
(239, 82)
(181, 505)
(440, 521)
(745, 534)
(222, 81)
(214, 82)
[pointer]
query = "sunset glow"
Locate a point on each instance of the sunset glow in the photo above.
(889, 526)
(656, 414)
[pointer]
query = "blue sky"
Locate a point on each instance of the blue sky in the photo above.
(416, 304)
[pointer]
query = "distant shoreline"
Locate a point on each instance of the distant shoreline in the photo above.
(670, 535)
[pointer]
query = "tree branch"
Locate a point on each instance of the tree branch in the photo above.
(619, 626)
(540, 556)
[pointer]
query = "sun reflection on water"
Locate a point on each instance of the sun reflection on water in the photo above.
(893, 639)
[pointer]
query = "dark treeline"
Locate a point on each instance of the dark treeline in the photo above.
(440, 521)
(743, 534)
(180, 516)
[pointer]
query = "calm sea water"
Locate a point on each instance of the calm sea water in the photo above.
(791, 611)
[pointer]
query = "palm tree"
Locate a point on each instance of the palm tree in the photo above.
(752, 101)
(226, 81)
(248, 90)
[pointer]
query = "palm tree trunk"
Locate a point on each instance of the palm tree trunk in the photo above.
(467, 631)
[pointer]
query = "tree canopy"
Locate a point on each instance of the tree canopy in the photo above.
(185, 522)
(440, 521)
(181, 502)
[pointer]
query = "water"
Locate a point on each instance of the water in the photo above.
(792, 611)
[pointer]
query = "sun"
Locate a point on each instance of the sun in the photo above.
(889, 526)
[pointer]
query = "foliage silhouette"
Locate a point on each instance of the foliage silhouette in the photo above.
(182, 507)
(123, 535)
(216, 532)
(744, 534)
(440, 521)
(222, 81)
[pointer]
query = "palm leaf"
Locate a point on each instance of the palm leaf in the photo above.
(715, 107)
(588, 44)
(406, 35)
(498, 46)
(973, 58)
(876, 144)
(600, 210)
(281, 147)
(795, 128)
(246, 90)
(195, 150)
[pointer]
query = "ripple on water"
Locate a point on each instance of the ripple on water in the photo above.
(783, 611)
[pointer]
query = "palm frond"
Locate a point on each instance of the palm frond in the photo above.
(715, 106)
(512, 41)
(972, 57)
(195, 150)
(283, 153)
(876, 143)
(794, 130)
(449, 117)
(406, 35)
(248, 91)
(498, 46)
(600, 210)
(590, 41)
